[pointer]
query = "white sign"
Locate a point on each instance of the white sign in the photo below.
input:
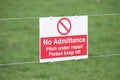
(63, 38)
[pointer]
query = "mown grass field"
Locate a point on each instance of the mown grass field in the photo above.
(19, 40)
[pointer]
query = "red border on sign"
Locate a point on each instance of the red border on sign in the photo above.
(67, 30)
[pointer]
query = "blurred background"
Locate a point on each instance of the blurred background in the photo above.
(19, 40)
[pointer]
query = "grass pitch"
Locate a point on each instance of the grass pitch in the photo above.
(19, 40)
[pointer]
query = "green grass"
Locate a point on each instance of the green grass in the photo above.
(19, 40)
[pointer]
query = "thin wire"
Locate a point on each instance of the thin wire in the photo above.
(115, 14)
(31, 62)
(29, 18)
(8, 64)
(104, 56)
(19, 18)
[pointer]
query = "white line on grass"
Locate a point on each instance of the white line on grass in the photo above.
(29, 18)
(7, 64)
(18, 63)
(104, 55)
